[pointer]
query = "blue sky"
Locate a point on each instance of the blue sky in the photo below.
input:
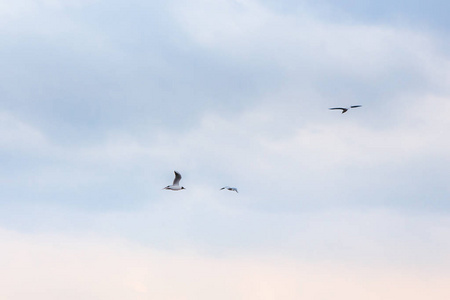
(101, 101)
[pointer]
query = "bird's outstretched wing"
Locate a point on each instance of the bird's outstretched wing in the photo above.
(177, 179)
(341, 108)
(233, 189)
(355, 106)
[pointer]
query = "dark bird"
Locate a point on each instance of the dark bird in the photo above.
(344, 109)
(233, 189)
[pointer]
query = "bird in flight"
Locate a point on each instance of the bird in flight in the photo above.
(344, 109)
(233, 189)
(176, 183)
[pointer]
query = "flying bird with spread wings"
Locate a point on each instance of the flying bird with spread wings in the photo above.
(344, 109)
(233, 189)
(176, 183)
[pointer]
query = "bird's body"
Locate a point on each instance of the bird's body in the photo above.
(233, 189)
(176, 183)
(345, 109)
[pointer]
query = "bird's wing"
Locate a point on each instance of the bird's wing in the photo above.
(235, 189)
(177, 179)
(355, 106)
(225, 187)
(338, 108)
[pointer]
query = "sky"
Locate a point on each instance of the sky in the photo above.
(102, 100)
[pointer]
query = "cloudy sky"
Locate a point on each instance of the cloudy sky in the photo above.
(102, 100)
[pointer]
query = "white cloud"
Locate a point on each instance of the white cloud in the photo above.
(16, 134)
(303, 44)
(419, 133)
(259, 142)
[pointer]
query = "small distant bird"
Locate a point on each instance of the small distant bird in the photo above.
(344, 109)
(233, 189)
(176, 183)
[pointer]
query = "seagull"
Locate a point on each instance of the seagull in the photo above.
(175, 186)
(233, 189)
(344, 109)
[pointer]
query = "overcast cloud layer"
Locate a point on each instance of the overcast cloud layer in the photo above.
(101, 101)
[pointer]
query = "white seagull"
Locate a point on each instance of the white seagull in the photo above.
(233, 189)
(344, 109)
(176, 183)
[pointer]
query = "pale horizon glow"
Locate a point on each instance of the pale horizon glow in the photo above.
(97, 269)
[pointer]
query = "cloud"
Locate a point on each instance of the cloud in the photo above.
(417, 134)
(16, 135)
(103, 102)
(259, 145)
(248, 30)
(165, 66)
